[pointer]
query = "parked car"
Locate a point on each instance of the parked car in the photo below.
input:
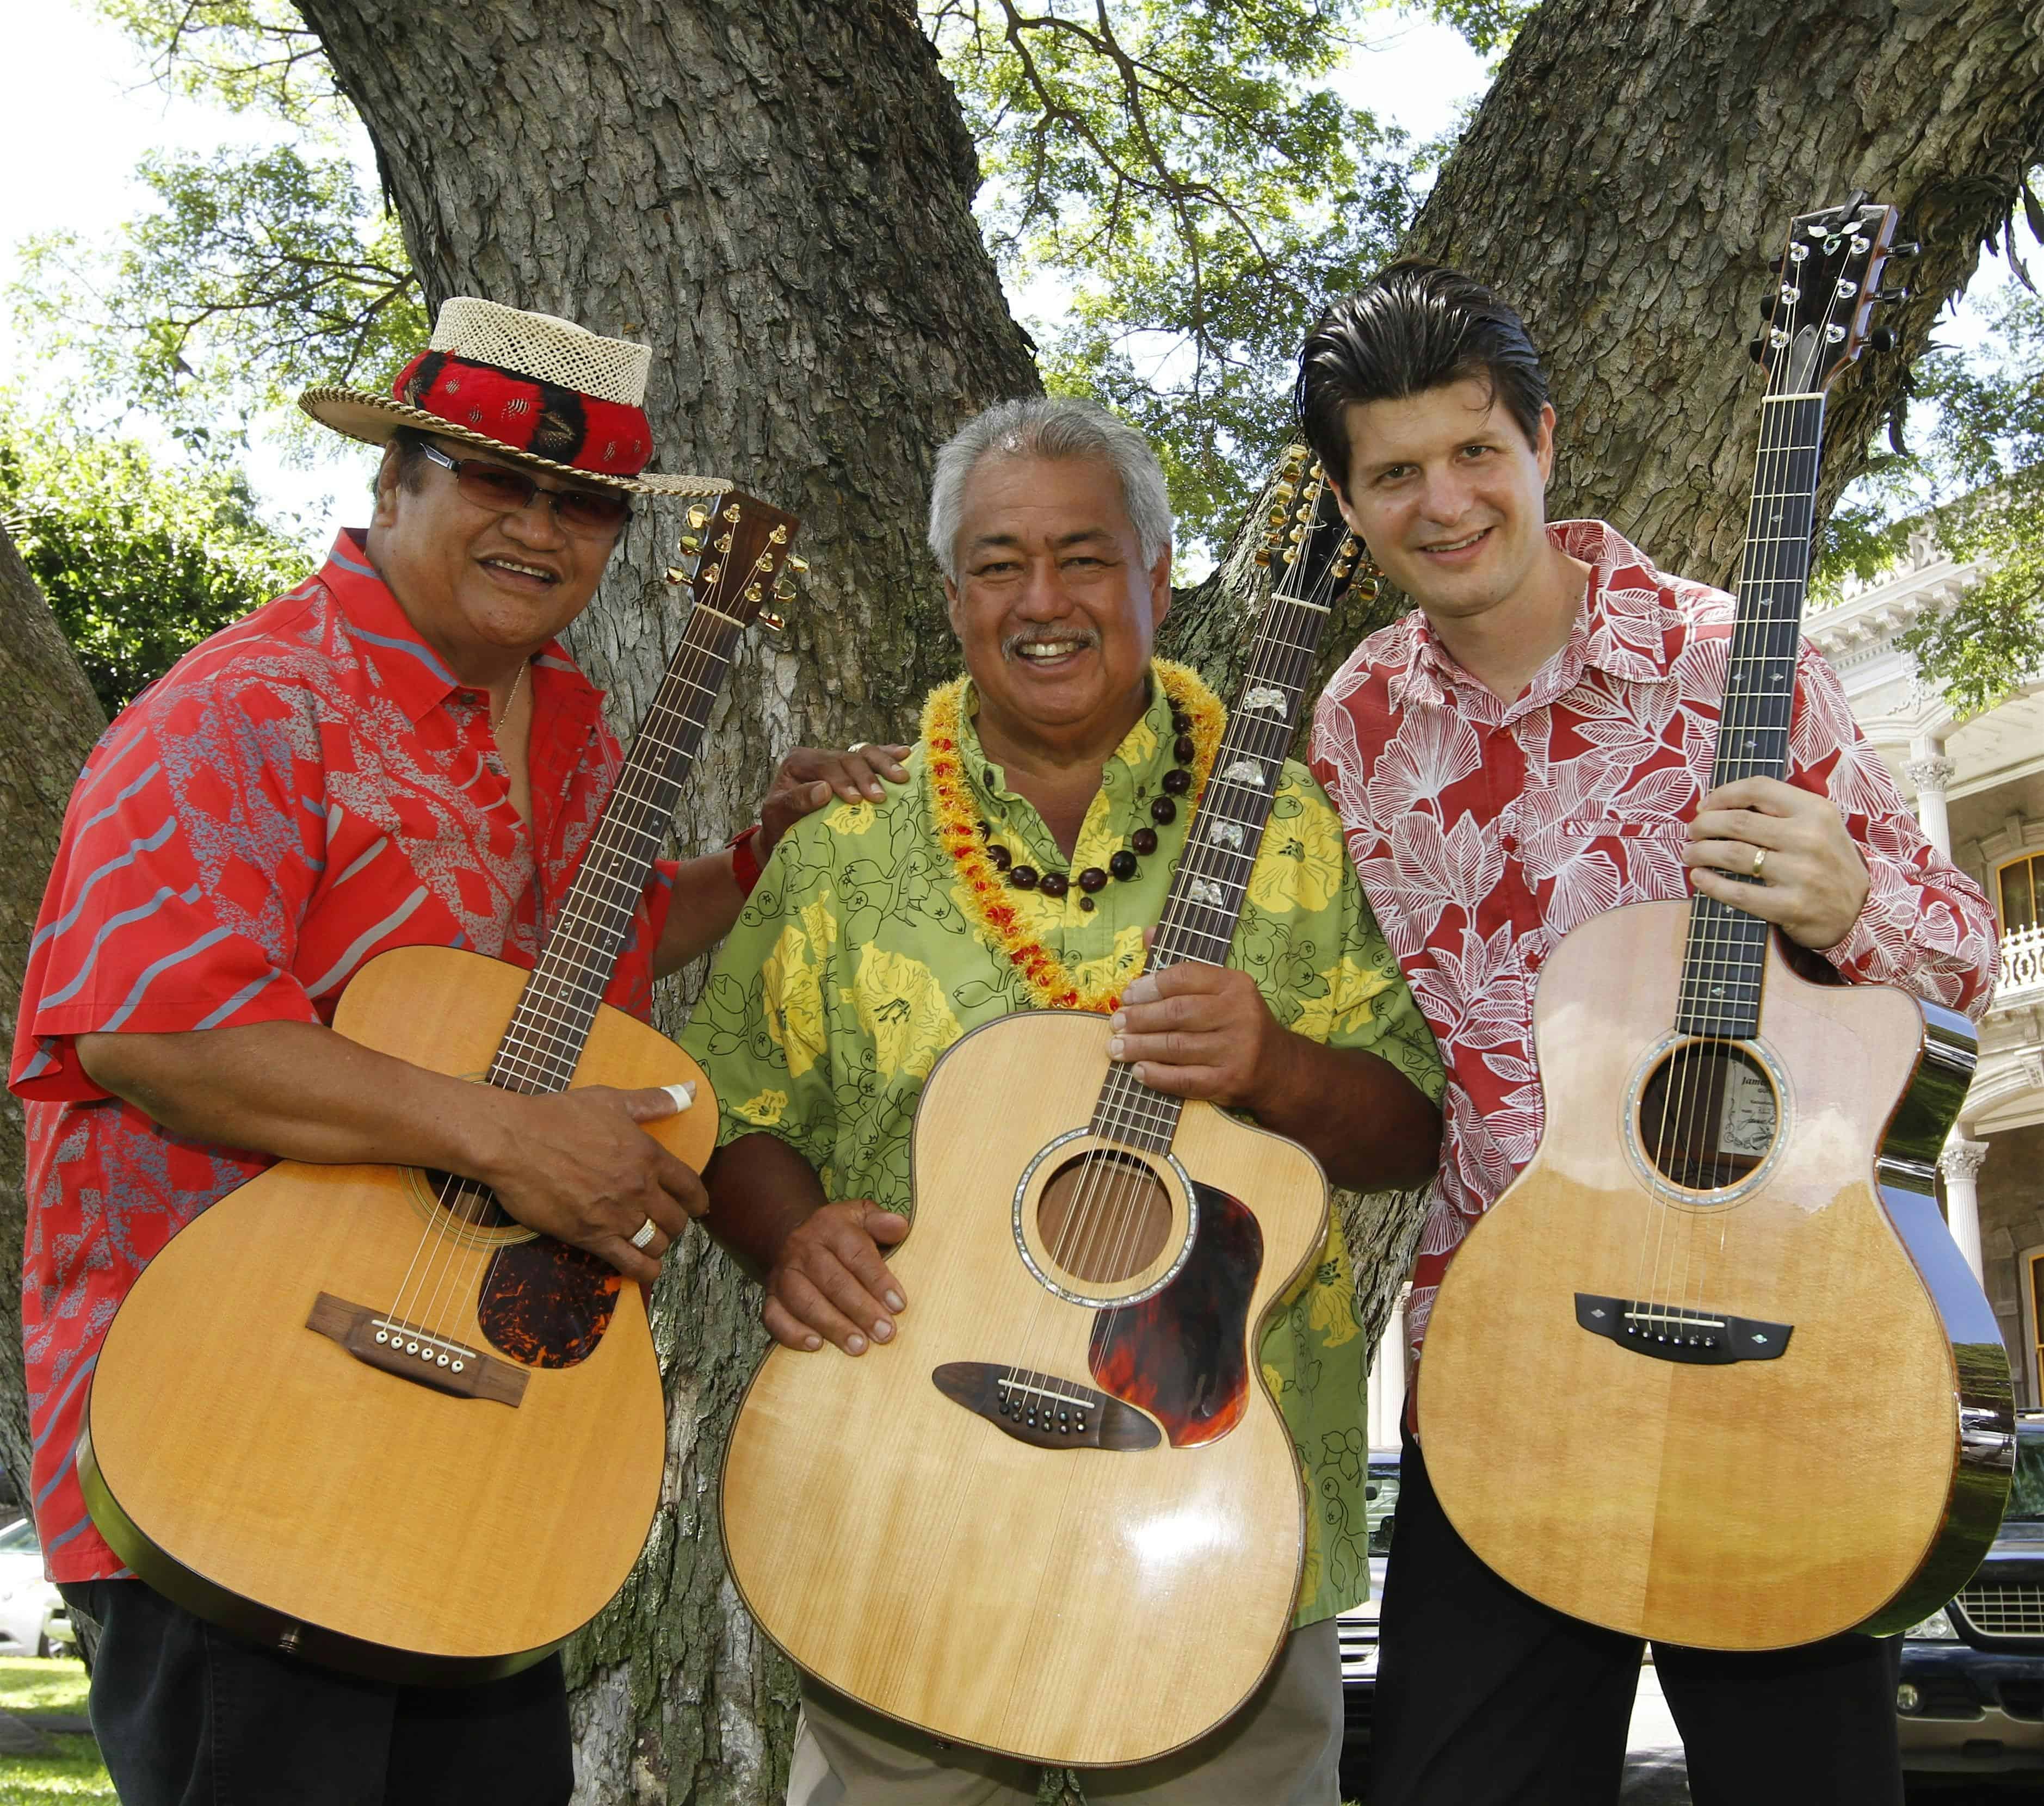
(1971, 1697)
(33, 1619)
(1358, 1629)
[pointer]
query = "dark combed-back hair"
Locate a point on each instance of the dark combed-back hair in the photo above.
(1415, 325)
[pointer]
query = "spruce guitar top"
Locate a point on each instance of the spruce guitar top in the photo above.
(425, 1443)
(1712, 1369)
(1058, 1515)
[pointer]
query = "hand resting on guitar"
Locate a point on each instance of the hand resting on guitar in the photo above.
(1812, 881)
(572, 1164)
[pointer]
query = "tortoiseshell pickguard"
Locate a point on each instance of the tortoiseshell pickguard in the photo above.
(546, 1304)
(1183, 1356)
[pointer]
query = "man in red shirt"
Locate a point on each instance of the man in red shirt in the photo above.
(1529, 747)
(398, 753)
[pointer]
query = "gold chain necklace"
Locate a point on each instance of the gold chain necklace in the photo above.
(982, 890)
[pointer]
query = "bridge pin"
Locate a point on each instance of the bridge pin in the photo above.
(456, 1365)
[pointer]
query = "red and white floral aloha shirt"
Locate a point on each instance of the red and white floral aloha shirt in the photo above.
(1483, 830)
(307, 788)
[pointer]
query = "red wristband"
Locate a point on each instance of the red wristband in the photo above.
(745, 859)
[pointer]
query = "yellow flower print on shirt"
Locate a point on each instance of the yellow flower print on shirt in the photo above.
(901, 1006)
(764, 1110)
(791, 983)
(1112, 970)
(851, 818)
(1302, 861)
(1346, 1006)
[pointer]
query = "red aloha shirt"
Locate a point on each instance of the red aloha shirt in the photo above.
(1483, 830)
(306, 790)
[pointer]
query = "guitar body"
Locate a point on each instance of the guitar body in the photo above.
(1587, 1426)
(254, 1470)
(1094, 1591)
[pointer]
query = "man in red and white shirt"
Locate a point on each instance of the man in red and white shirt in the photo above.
(1529, 747)
(397, 754)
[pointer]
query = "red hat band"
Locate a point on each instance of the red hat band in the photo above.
(562, 425)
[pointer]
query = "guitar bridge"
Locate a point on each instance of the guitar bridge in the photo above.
(1043, 1410)
(381, 1341)
(1681, 1332)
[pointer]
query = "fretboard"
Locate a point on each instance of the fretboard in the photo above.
(544, 1042)
(1221, 845)
(1724, 961)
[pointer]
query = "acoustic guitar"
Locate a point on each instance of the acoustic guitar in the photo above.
(1712, 1369)
(1058, 1515)
(357, 1413)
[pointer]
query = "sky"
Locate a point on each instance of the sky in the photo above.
(80, 91)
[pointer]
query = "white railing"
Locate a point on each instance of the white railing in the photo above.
(2022, 979)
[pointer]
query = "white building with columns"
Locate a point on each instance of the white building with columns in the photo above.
(1977, 785)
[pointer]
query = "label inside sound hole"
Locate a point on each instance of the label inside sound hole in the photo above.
(1708, 1115)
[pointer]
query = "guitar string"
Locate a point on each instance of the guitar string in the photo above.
(1277, 659)
(1114, 1204)
(1787, 586)
(1114, 1192)
(1714, 957)
(638, 785)
(1763, 635)
(1688, 1058)
(547, 1002)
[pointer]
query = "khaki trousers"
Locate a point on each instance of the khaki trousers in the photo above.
(1283, 1748)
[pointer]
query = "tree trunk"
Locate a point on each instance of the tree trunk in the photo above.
(1628, 182)
(48, 726)
(777, 198)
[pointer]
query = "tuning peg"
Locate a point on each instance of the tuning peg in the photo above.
(1881, 338)
(799, 565)
(674, 576)
(1278, 517)
(1909, 247)
(755, 594)
(773, 623)
(698, 518)
(1263, 556)
(691, 543)
(1892, 296)
(1756, 347)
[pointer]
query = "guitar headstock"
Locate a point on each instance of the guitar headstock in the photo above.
(1818, 315)
(1305, 538)
(735, 552)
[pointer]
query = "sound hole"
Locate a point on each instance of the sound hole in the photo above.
(467, 1200)
(1707, 1115)
(1103, 1216)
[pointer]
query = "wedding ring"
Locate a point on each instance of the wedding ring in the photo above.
(646, 1230)
(1759, 859)
(856, 746)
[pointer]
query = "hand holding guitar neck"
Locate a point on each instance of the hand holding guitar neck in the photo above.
(1780, 853)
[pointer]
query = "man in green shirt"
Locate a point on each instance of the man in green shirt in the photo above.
(1071, 760)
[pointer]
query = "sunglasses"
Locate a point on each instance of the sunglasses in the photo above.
(590, 511)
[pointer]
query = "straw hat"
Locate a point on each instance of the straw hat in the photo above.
(540, 390)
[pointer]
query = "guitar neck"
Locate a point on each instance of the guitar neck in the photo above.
(1212, 882)
(1725, 956)
(544, 1042)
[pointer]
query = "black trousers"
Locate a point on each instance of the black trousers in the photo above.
(187, 1714)
(1485, 1697)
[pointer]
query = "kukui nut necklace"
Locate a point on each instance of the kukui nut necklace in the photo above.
(986, 872)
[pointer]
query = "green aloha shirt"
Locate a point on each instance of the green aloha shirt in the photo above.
(853, 967)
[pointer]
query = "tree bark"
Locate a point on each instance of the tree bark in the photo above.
(1628, 182)
(777, 198)
(48, 726)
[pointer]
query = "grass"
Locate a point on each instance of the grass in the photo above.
(74, 1774)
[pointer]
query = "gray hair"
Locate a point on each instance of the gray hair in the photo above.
(1049, 427)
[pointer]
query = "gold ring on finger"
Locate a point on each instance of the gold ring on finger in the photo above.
(1759, 859)
(856, 746)
(643, 1238)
